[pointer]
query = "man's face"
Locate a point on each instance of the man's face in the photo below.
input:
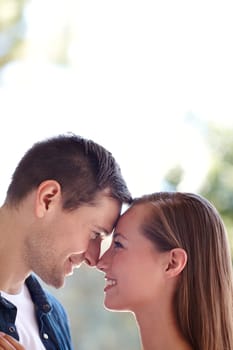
(64, 239)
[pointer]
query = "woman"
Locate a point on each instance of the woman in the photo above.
(169, 263)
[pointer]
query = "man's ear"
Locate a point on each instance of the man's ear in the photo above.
(176, 262)
(47, 193)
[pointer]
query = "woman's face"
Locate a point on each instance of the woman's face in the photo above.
(133, 266)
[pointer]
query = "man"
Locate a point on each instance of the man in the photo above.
(65, 196)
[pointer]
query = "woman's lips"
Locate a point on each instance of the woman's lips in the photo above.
(110, 283)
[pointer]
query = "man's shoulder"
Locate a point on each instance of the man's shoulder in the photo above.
(41, 296)
(50, 310)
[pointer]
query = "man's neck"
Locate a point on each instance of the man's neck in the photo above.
(13, 271)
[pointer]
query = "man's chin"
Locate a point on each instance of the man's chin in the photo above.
(58, 283)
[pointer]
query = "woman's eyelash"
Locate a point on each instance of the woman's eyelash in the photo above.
(117, 244)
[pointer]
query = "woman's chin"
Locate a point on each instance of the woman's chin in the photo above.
(111, 306)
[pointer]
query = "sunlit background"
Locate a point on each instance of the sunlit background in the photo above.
(152, 81)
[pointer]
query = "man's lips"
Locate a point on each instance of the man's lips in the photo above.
(76, 261)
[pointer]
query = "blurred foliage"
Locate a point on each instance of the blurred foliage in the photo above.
(15, 45)
(12, 29)
(173, 177)
(218, 184)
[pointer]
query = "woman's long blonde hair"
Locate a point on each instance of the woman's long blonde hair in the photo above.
(204, 298)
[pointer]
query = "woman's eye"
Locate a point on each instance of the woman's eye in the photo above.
(117, 244)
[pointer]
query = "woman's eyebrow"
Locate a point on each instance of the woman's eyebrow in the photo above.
(118, 234)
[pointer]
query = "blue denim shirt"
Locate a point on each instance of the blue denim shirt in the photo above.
(51, 316)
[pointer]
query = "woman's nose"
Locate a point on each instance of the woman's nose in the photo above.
(104, 261)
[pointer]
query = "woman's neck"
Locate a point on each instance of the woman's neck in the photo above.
(159, 331)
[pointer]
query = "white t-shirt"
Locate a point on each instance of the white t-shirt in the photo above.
(25, 322)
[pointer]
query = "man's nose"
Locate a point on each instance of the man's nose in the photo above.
(93, 252)
(77, 259)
